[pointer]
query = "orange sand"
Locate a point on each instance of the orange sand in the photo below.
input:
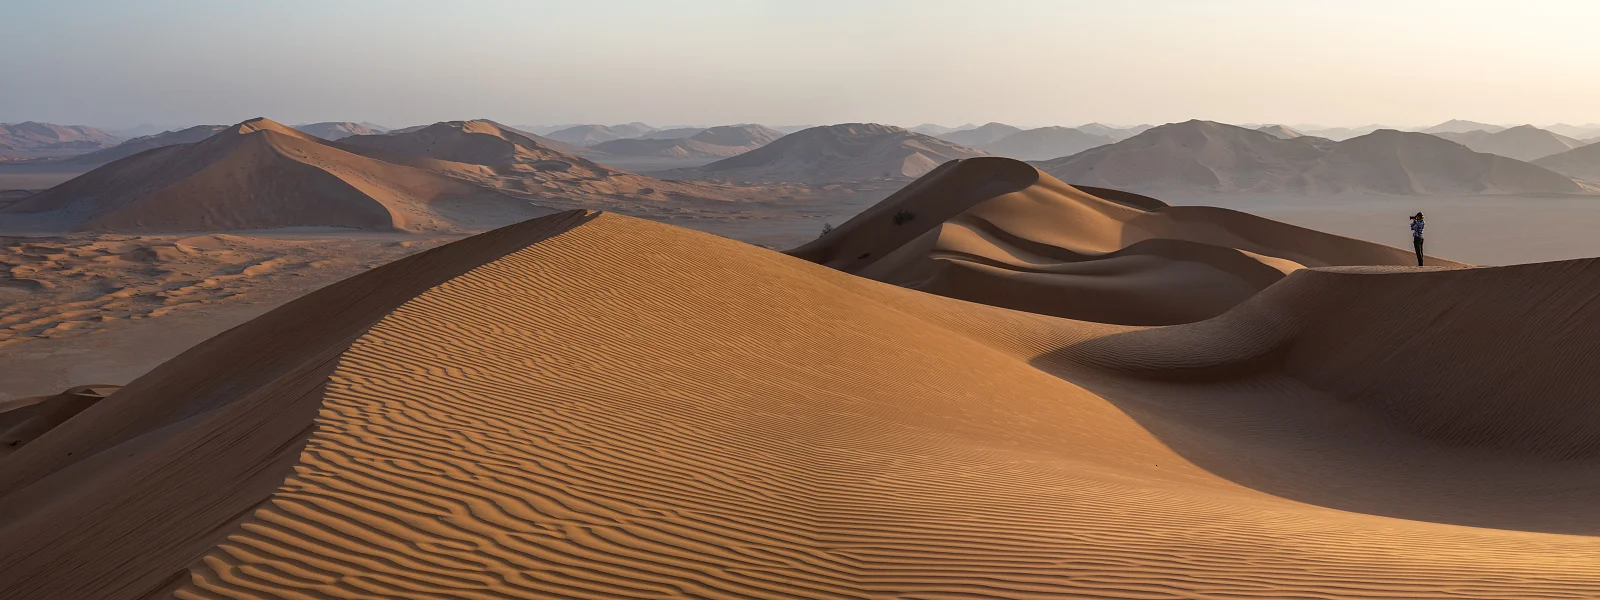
(593, 406)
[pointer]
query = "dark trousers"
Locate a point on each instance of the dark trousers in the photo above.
(1416, 241)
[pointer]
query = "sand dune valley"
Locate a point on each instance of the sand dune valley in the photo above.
(475, 360)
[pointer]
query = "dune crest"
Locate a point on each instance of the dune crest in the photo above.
(1000, 232)
(261, 174)
(590, 405)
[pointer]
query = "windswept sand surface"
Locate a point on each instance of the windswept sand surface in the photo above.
(593, 406)
(61, 286)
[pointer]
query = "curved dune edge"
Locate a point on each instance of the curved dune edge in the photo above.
(1000, 232)
(627, 409)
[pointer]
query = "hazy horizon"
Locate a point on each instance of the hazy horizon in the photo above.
(1350, 64)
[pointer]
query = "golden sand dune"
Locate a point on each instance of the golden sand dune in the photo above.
(592, 406)
(1000, 232)
(260, 174)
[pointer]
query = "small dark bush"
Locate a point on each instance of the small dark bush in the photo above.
(904, 216)
(827, 228)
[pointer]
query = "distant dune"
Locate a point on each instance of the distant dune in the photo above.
(937, 130)
(1044, 143)
(676, 133)
(338, 130)
(1526, 142)
(132, 147)
(1579, 163)
(589, 135)
(714, 142)
(1202, 156)
(1280, 131)
(1582, 132)
(1340, 134)
(261, 174)
(1461, 126)
(589, 405)
(1116, 134)
(988, 133)
(999, 232)
(836, 153)
(32, 139)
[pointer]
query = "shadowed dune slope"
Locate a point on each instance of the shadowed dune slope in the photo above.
(617, 408)
(260, 174)
(115, 502)
(1000, 232)
(23, 420)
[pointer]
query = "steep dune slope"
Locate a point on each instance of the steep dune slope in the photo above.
(594, 406)
(1000, 232)
(1202, 156)
(834, 153)
(260, 174)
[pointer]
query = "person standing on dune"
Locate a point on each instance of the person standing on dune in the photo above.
(1416, 235)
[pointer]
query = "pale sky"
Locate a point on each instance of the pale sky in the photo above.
(1025, 62)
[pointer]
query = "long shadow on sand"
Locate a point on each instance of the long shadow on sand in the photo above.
(1236, 401)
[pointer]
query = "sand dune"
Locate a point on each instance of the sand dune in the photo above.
(1582, 162)
(676, 133)
(713, 142)
(130, 148)
(337, 130)
(1462, 126)
(23, 420)
(834, 153)
(1115, 133)
(987, 133)
(32, 139)
(1044, 143)
(1526, 142)
(937, 130)
(260, 174)
(527, 166)
(1203, 156)
(1340, 134)
(999, 232)
(589, 135)
(1280, 131)
(594, 406)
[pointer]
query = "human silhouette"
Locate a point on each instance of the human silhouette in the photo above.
(1416, 235)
